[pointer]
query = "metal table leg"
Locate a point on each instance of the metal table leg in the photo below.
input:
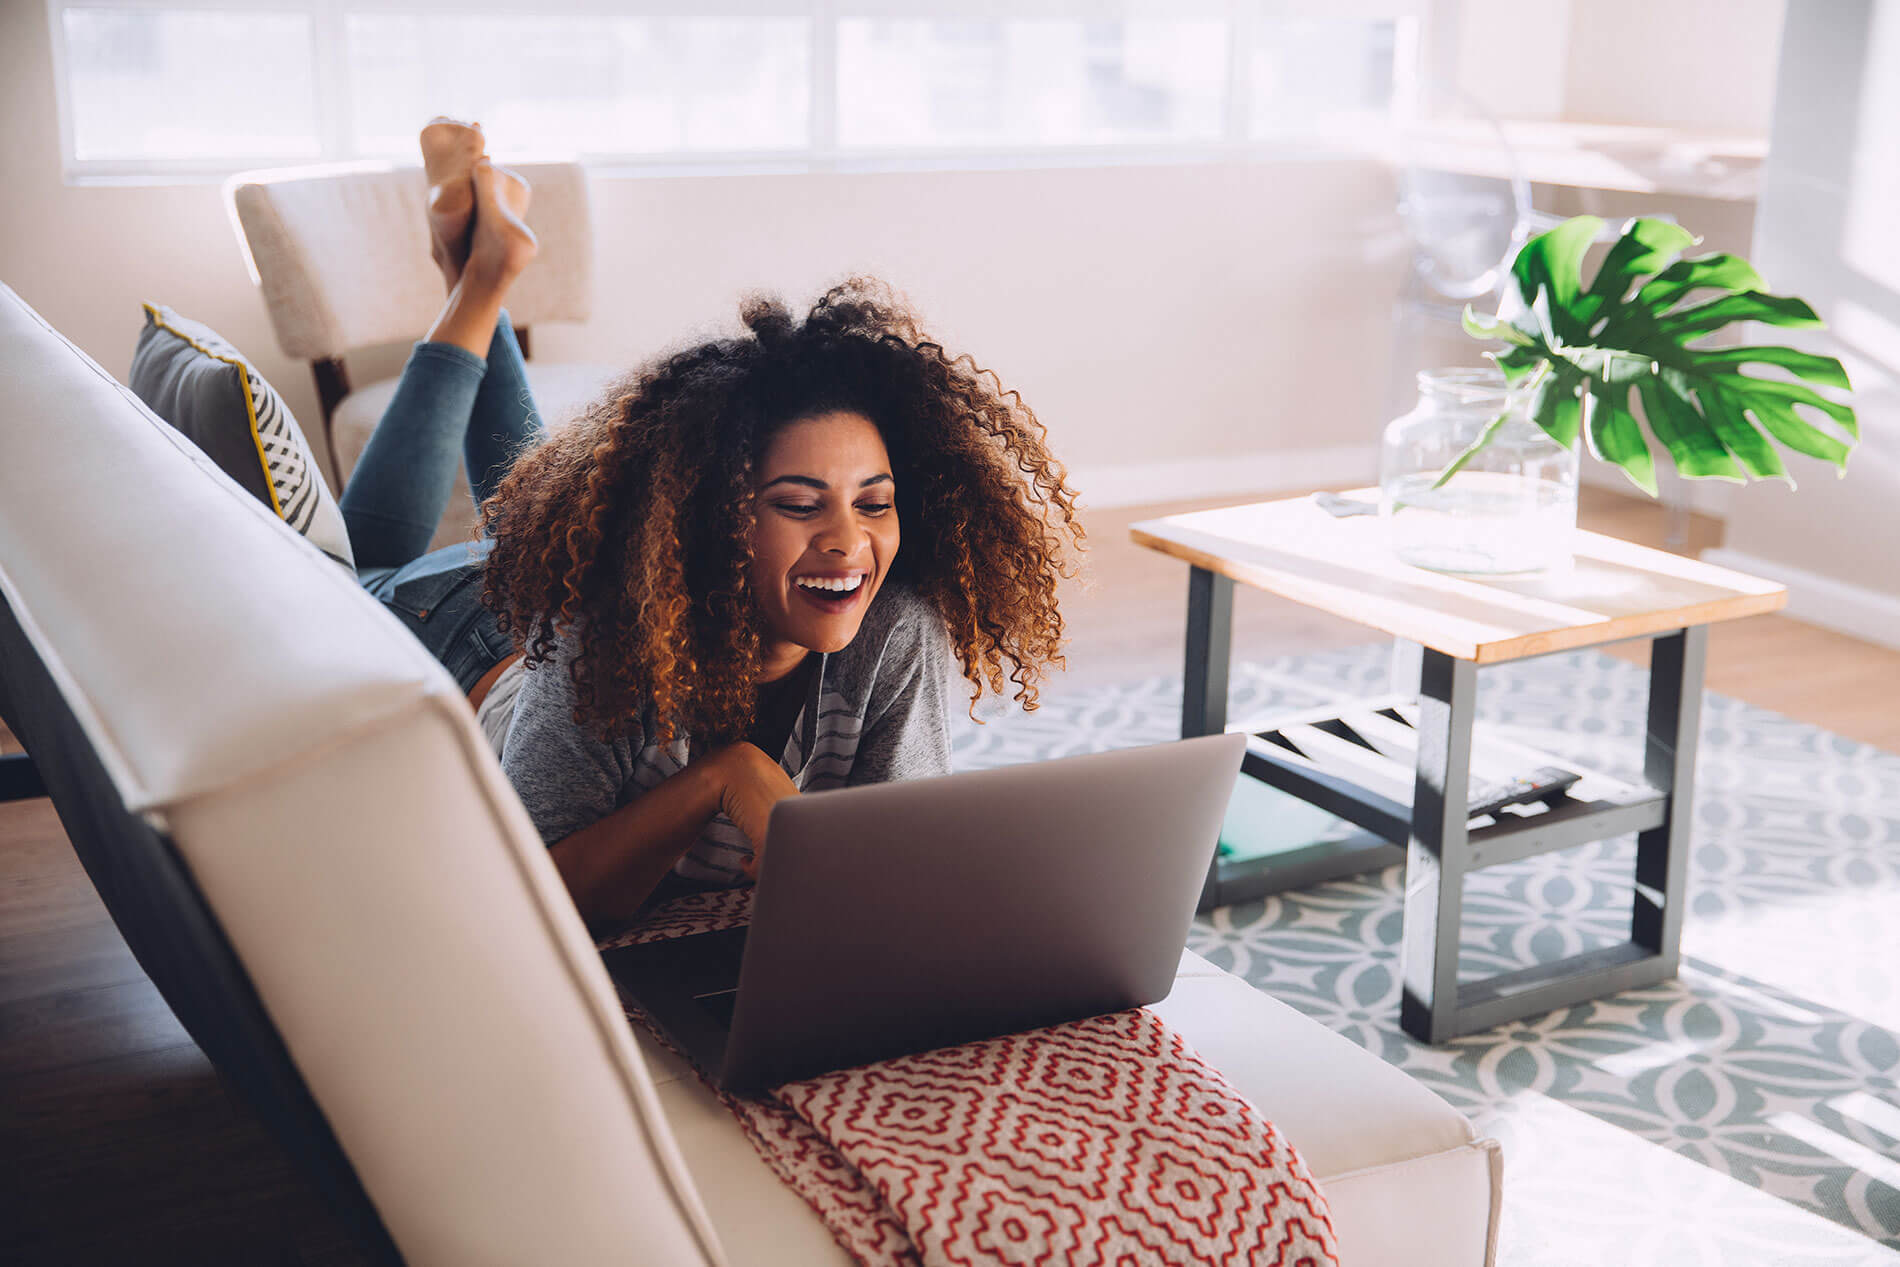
(1210, 644)
(1437, 854)
(1210, 640)
(1662, 853)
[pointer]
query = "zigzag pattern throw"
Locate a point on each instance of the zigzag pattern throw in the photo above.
(1100, 1141)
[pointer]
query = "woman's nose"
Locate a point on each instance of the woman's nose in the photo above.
(840, 534)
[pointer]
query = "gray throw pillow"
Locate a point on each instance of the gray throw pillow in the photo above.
(200, 384)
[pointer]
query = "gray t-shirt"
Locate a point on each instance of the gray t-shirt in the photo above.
(874, 712)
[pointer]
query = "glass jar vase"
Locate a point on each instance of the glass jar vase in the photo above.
(1511, 508)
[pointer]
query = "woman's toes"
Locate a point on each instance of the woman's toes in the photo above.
(449, 151)
(502, 244)
(512, 188)
(449, 148)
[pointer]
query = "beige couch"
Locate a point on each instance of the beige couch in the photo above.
(296, 823)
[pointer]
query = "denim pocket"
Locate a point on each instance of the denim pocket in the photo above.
(423, 596)
(426, 586)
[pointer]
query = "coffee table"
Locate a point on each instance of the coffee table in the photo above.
(1357, 761)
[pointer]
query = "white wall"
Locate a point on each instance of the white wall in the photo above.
(1706, 65)
(1150, 314)
(1825, 231)
(1506, 55)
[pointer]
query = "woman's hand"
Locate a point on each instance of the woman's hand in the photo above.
(751, 783)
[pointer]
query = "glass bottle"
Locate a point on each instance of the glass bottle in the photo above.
(1511, 508)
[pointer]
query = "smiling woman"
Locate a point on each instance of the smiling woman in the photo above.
(745, 573)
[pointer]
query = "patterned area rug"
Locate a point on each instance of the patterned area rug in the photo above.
(1747, 1113)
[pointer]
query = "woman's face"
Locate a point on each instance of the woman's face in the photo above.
(824, 536)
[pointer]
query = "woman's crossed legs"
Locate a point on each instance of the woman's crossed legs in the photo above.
(463, 394)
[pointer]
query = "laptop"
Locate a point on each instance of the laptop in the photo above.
(901, 917)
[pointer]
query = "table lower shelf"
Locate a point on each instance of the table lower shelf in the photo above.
(1356, 763)
(1243, 879)
(1543, 987)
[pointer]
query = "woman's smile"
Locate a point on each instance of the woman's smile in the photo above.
(832, 593)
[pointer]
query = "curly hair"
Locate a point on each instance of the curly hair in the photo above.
(631, 528)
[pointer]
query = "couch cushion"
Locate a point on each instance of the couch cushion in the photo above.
(195, 380)
(1408, 1179)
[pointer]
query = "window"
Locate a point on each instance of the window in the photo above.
(1313, 75)
(149, 88)
(593, 85)
(182, 84)
(924, 84)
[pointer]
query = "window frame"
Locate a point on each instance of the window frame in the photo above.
(822, 153)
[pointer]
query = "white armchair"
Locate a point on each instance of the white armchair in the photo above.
(341, 253)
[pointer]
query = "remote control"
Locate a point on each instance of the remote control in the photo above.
(1543, 784)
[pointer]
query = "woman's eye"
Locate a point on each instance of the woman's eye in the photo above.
(874, 508)
(799, 508)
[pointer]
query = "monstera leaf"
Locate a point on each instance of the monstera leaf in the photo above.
(1587, 354)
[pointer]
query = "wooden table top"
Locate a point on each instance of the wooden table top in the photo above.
(1343, 565)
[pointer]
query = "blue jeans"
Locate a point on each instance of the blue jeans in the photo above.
(449, 404)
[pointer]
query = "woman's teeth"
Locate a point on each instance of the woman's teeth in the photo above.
(830, 584)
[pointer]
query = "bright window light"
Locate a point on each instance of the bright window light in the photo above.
(920, 84)
(580, 84)
(148, 88)
(1321, 74)
(188, 84)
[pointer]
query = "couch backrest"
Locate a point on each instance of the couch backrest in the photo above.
(342, 253)
(291, 782)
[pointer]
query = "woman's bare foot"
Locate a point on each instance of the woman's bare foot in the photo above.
(502, 244)
(449, 150)
(499, 247)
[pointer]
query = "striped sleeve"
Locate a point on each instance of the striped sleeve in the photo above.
(906, 729)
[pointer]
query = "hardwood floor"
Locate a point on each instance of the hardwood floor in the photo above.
(121, 1143)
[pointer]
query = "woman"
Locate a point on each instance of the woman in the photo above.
(743, 573)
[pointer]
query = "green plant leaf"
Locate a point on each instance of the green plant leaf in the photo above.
(1816, 369)
(1615, 436)
(1692, 443)
(1632, 335)
(1771, 310)
(1646, 247)
(1796, 394)
(1519, 363)
(1480, 327)
(1551, 264)
(1556, 408)
(1750, 447)
(1705, 272)
(1544, 328)
(1778, 418)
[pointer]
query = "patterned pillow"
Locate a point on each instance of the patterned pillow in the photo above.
(204, 387)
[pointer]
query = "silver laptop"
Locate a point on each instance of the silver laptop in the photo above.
(906, 916)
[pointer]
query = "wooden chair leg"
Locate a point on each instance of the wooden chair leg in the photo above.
(333, 384)
(521, 337)
(19, 778)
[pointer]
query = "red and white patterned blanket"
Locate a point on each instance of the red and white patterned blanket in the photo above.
(1100, 1141)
